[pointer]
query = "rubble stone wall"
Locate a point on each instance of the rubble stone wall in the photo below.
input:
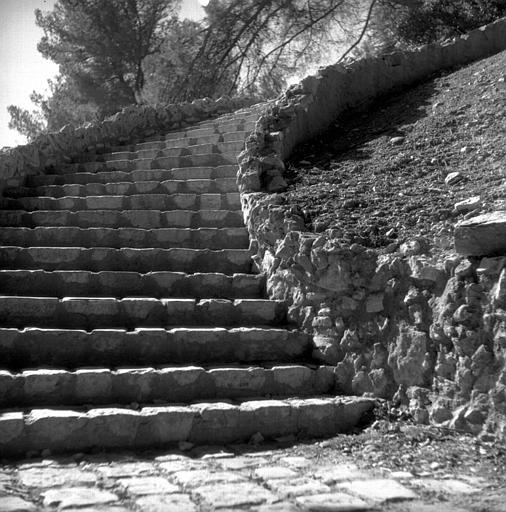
(428, 333)
(133, 123)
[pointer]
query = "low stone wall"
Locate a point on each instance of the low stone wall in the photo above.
(133, 123)
(429, 334)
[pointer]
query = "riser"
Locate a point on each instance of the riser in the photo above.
(145, 219)
(61, 430)
(72, 349)
(102, 313)
(220, 186)
(174, 151)
(102, 386)
(229, 201)
(165, 238)
(128, 284)
(136, 260)
(169, 162)
(192, 141)
(185, 173)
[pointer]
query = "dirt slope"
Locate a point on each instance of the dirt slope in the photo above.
(378, 177)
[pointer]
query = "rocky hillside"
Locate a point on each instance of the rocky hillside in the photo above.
(413, 164)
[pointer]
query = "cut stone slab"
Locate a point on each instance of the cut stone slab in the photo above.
(71, 497)
(483, 235)
(332, 502)
(450, 486)
(235, 494)
(379, 490)
(43, 477)
(15, 504)
(168, 503)
(149, 485)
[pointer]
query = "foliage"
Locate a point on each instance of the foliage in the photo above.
(166, 70)
(423, 21)
(63, 105)
(260, 43)
(101, 45)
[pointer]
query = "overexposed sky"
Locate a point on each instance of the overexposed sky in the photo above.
(23, 67)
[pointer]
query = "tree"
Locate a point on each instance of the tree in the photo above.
(411, 23)
(264, 41)
(101, 45)
(166, 70)
(63, 105)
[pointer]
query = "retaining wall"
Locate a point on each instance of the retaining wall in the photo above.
(428, 333)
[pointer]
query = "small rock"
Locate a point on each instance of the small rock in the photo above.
(256, 439)
(467, 205)
(45, 453)
(453, 178)
(185, 446)
(397, 140)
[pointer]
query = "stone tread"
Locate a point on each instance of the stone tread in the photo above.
(164, 201)
(62, 236)
(129, 259)
(176, 174)
(173, 150)
(145, 219)
(193, 186)
(142, 346)
(163, 162)
(169, 384)
(212, 423)
(132, 312)
(62, 283)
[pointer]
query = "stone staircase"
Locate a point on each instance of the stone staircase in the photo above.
(130, 315)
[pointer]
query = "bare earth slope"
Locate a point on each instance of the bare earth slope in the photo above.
(378, 177)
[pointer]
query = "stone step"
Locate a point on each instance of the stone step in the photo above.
(44, 387)
(132, 312)
(182, 142)
(177, 174)
(167, 162)
(64, 236)
(194, 186)
(33, 347)
(174, 150)
(228, 201)
(228, 261)
(77, 430)
(146, 219)
(62, 283)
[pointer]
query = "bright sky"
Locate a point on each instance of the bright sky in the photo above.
(23, 68)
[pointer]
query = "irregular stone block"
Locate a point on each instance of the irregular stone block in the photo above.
(484, 235)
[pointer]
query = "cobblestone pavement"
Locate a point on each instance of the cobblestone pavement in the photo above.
(240, 477)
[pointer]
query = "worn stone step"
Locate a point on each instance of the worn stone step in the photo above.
(77, 430)
(193, 186)
(183, 173)
(33, 347)
(185, 150)
(146, 219)
(136, 260)
(131, 312)
(162, 143)
(146, 385)
(64, 236)
(167, 162)
(62, 283)
(228, 201)
(173, 150)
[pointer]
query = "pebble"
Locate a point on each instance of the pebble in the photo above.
(453, 178)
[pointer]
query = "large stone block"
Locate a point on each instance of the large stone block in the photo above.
(484, 235)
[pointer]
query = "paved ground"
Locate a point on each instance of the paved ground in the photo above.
(302, 477)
